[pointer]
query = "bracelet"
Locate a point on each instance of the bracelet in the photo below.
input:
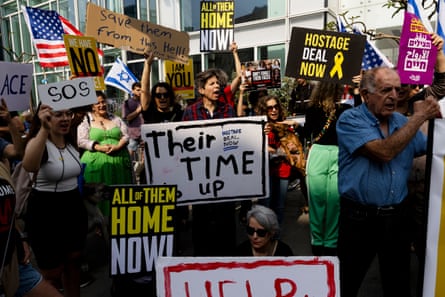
(92, 147)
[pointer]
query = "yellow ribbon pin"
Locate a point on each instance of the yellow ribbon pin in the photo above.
(338, 60)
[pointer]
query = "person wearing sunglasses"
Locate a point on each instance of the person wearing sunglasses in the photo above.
(56, 218)
(159, 104)
(279, 167)
(262, 229)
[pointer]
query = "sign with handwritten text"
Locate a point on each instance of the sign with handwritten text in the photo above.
(141, 227)
(417, 54)
(136, 36)
(16, 85)
(248, 276)
(68, 94)
(324, 55)
(210, 161)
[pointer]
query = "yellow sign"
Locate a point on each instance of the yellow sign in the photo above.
(180, 77)
(83, 58)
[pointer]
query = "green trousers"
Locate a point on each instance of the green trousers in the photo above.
(324, 199)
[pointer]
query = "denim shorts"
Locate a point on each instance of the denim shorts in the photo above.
(29, 279)
(133, 144)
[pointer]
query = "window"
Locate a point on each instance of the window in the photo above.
(245, 11)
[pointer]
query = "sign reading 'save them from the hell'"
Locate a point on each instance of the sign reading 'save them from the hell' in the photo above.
(324, 55)
(210, 161)
(136, 36)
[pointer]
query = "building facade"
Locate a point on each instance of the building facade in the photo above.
(262, 29)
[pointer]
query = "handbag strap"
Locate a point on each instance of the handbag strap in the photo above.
(330, 119)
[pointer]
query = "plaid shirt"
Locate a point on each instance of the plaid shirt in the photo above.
(197, 111)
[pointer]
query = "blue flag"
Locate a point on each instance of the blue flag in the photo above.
(441, 19)
(120, 77)
(416, 8)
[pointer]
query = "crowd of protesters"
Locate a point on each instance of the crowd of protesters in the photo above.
(354, 145)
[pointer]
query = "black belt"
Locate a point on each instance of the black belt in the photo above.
(371, 210)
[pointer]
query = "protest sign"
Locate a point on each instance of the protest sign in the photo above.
(261, 74)
(248, 276)
(181, 78)
(433, 285)
(68, 94)
(16, 85)
(83, 58)
(216, 30)
(417, 54)
(324, 55)
(210, 161)
(136, 36)
(141, 227)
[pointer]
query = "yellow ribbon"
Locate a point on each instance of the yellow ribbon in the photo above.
(338, 60)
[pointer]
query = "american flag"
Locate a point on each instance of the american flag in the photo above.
(47, 28)
(372, 56)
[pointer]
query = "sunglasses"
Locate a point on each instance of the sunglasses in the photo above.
(259, 232)
(272, 107)
(161, 95)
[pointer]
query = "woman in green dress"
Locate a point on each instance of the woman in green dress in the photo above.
(104, 138)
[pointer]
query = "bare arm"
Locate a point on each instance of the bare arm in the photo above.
(385, 150)
(239, 106)
(236, 82)
(132, 115)
(36, 146)
(437, 88)
(145, 82)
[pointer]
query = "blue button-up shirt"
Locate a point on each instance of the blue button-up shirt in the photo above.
(368, 181)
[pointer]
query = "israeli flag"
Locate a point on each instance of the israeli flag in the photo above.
(415, 7)
(441, 19)
(120, 77)
(341, 27)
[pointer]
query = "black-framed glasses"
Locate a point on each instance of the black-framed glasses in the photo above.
(161, 95)
(272, 107)
(259, 232)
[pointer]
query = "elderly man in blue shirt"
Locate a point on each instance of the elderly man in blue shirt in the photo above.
(376, 149)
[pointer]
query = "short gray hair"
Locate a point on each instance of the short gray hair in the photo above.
(266, 217)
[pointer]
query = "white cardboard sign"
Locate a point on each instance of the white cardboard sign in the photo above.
(16, 85)
(68, 94)
(210, 161)
(248, 276)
